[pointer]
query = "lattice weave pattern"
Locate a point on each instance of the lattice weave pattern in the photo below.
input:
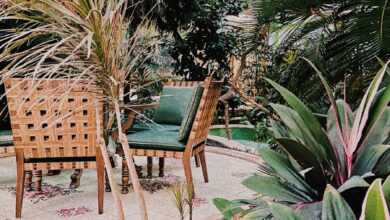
(205, 114)
(162, 153)
(175, 83)
(54, 119)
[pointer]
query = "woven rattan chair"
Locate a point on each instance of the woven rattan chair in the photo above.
(189, 139)
(54, 128)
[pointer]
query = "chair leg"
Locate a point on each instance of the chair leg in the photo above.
(28, 181)
(107, 182)
(75, 179)
(188, 174)
(161, 164)
(38, 180)
(53, 172)
(20, 175)
(197, 161)
(149, 167)
(125, 176)
(100, 180)
(202, 157)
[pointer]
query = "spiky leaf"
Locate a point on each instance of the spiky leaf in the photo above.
(367, 160)
(374, 206)
(273, 187)
(335, 207)
(353, 182)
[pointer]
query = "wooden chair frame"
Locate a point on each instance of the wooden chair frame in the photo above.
(54, 128)
(195, 146)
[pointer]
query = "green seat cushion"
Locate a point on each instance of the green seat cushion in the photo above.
(6, 138)
(156, 140)
(173, 105)
(190, 114)
(142, 126)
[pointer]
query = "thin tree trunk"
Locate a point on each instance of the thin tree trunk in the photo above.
(227, 121)
(107, 165)
(130, 163)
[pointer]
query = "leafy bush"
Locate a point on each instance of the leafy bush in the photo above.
(347, 155)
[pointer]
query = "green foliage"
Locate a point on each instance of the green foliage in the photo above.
(335, 207)
(344, 38)
(263, 133)
(374, 206)
(198, 43)
(345, 155)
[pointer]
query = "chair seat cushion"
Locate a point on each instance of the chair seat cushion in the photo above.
(140, 126)
(156, 140)
(6, 138)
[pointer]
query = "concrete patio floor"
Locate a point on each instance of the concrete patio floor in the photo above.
(58, 202)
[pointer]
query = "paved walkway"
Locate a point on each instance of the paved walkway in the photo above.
(57, 202)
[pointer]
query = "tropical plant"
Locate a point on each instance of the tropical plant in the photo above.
(342, 37)
(347, 154)
(334, 207)
(82, 40)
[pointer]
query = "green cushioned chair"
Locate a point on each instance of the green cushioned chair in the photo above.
(190, 105)
(177, 106)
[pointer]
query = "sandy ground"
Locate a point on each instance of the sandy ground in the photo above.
(226, 174)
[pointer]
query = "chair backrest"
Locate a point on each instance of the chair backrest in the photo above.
(205, 114)
(53, 118)
(175, 101)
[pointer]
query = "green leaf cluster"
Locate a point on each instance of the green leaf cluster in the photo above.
(346, 155)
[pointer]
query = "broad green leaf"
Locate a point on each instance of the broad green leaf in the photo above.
(301, 130)
(353, 182)
(374, 205)
(335, 207)
(300, 153)
(282, 166)
(227, 208)
(386, 191)
(362, 113)
(282, 212)
(274, 188)
(256, 214)
(379, 121)
(378, 132)
(382, 168)
(341, 131)
(368, 159)
(307, 161)
(310, 211)
(307, 116)
(278, 130)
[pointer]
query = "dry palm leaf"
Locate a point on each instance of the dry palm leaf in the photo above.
(78, 40)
